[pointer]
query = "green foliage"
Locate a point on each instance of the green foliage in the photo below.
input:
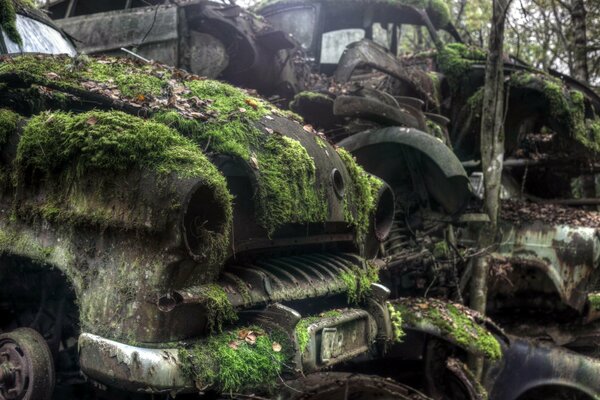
(453, 320)
(302, 335)
(396, 319)
(231, 364)
(594, 300)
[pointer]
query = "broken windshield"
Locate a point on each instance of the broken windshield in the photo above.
(38, 37)
(298, 21)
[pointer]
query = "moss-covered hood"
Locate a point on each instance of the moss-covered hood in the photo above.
(127, 176)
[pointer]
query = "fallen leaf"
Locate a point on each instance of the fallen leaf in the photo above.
(251, 338)
(234, 344)
(242, 110)
(269, 130)
(92, 121)
(52, 75)
(308, 128)
(140, 98)
(252, 103)
(254, 162)
(276, 347)
(242, 333)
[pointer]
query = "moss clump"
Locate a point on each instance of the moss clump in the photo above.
(9, 122)
(302, 335)
(455, 61)
(566, 108)
(452, 320)
(439, 13)
(358, 281)
(360, 199)
(219, 309)
(435, 130)
(396, 319)
(236, 361)
(8, 20)
(108, 140)
(286, 174)
(594, 300)
(110, 76)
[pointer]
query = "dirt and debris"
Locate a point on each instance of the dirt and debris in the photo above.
(521, 212)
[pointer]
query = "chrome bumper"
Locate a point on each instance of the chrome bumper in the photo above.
(132, 368)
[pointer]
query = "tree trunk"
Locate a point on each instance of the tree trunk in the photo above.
(580, 54)
(492, 154)
(492, 122)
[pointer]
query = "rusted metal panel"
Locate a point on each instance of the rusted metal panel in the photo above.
(568, 255)
(109, 31)
(528, 365)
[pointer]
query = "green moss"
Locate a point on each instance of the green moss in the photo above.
(320, 142)
(439, 13)
(360, 198)
(8, 20)
(313, 97)
(107, 140)
(130, 84)
(228, 101)
(218, 117)
(302, 335)
(24, 245)
(594, 300)
(287, 191)
(566, 108)
(435, 130)
(118, 77)
(67, 148)
(453, 320)
(231, 363)
(440, 249)
(358, 281)
(9, 122)
(396, 319)
(219, 309)
(455, 61)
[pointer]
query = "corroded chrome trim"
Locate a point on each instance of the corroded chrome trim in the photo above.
(132, 368)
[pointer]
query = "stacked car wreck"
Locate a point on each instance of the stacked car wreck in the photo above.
(210, 242)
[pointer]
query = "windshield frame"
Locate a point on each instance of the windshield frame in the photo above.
(334, 15)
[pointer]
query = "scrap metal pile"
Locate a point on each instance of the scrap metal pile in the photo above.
(166, 233)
